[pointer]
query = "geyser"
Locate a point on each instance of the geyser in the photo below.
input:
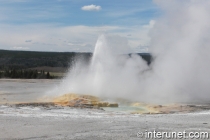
(180, 71)
(110, 74)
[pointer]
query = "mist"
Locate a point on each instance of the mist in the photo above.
(180, 45)
(180, 71)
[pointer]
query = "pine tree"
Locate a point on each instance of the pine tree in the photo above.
(48, 75)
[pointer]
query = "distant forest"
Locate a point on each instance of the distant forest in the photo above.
(25, 74)
(30, 59)
(20, 62)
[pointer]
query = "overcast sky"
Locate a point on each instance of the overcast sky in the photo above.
(73, 25)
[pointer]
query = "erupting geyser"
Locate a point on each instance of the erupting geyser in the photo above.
(180, 71)
(110, 74)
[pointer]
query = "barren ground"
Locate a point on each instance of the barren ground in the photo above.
(73, 123)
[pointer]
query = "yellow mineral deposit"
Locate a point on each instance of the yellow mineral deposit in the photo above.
(73, 99)
(143, 108)
(159, 109)
(165, 109)
(89, 101)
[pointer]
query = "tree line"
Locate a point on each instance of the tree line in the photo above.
(31, 59)
(25, 74)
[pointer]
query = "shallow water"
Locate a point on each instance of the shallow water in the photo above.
(24, 90)
(128, 109)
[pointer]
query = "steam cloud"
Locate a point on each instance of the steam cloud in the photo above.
(180, 71)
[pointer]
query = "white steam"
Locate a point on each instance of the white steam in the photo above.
(180, 71)
(180, 42)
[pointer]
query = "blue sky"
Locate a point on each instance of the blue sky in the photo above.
(73, 25)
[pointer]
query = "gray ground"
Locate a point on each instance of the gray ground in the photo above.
(21, 90)
(122, 128)
(69, 123)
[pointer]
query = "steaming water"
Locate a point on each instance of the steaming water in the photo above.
(180, 71)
